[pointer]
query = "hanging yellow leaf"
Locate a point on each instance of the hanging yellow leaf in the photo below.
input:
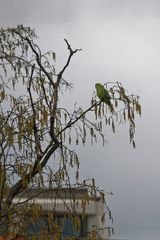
(10, 134)
(91, 131)
(2, 95)
(113, 126)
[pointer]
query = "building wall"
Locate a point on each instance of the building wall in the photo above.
(61, 202)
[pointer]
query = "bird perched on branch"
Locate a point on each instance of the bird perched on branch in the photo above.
(103, 95)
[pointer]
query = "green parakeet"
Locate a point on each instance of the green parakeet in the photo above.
(103, 94)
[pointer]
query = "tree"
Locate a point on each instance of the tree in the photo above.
(35, 130)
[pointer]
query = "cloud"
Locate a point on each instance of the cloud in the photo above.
(120, 41)
(15, 12)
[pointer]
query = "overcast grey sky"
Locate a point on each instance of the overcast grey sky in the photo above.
(121, 42)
